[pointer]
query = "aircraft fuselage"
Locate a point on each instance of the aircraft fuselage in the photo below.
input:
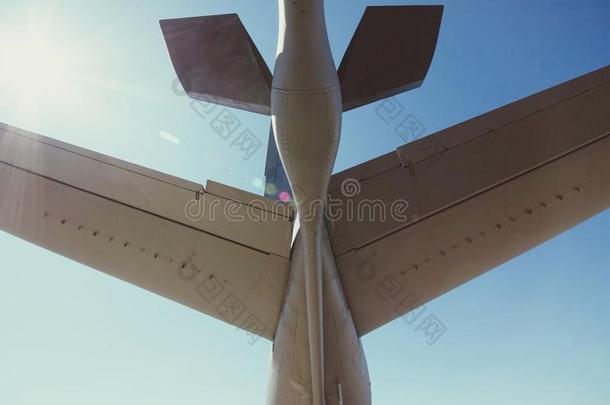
(317, 357)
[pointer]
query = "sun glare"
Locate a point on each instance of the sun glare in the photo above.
(35, 67)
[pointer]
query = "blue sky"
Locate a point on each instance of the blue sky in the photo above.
(533, 331)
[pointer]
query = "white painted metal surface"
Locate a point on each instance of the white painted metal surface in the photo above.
(344, 361)
(131, 223)
(306, 115)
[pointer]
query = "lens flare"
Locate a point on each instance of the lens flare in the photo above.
(271, 189)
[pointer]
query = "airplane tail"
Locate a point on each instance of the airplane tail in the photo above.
(217, 61)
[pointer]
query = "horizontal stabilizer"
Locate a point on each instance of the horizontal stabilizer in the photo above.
(473, 196)
(219, 250)
(216, 61)
(389, 53)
